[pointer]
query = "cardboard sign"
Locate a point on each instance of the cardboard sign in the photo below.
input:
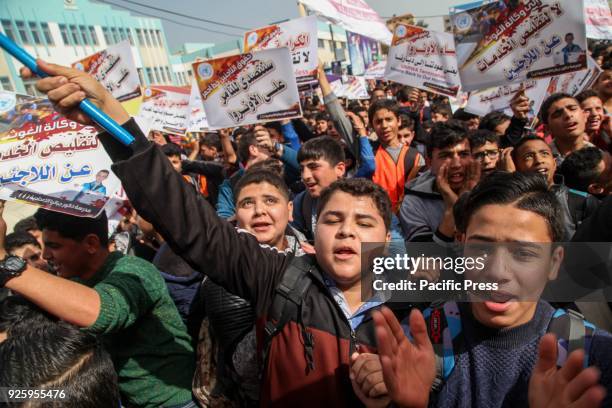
(498, 43)
(598, 19)
(423, 59)
(363, 52)
(168, 111)
(248, 88)
(50, 161)
(115, 69)
(300, 36)
(197, 116)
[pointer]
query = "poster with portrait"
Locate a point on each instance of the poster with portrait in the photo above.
(50, 161)
(423, 59)
(363, 52)
(511, 41)
(114, 68)
(248, 88)
(299, 35)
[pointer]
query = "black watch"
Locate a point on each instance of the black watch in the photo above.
(11, 267)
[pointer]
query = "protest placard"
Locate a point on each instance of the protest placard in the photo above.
(167, 109)
(299, 35)
(248, 88)
(363, 52)
(502, 42)
(598, 19)
(355, 15)
(114, 67)
(498, 98)
(376, 70)
(197, 116)
(423, 59)
(50, 161)
(355, 87)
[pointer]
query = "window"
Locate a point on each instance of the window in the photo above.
(74, 34)
(6, 84)
(158, 76)
(83, 31)
(23, 32)
(159, 38)
(30, 88)
(140, 37)
(8, 29)
(64, 32)
(47, 33)
(150, 75)
(115, 35)
(106, 35)
(130, 37)
(321, 43)
(93, 35)
(35, 33)
(141, 76)
(168, 74)
(148, 37)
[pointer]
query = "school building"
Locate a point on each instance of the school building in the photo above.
(65, 31)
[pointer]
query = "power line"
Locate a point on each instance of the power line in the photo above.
(170, 20)
(186, 15)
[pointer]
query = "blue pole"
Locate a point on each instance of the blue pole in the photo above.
(86, 105)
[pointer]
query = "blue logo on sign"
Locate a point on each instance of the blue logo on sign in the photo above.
(463, 21)
(205, 70)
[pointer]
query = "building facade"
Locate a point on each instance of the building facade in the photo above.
(65, 31)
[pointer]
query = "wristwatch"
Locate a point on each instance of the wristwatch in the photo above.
(11, 267)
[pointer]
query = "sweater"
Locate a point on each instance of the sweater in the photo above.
(493, 367)
(143, 332)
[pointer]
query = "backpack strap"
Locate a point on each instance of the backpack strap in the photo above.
(573, 333)
(410, 167)
(307, 204)
(577, 201)
(443, 323)
(287, 305)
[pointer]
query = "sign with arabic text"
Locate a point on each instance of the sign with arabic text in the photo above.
(197, 117)
(573, 83)
(498, 98)
(168, 110)
(598, 19)
(50, 161)
(423, 59)
(363, 52)
(115, 69)
(353, 15)
(299, 35)
(248, 88)
(503, 42)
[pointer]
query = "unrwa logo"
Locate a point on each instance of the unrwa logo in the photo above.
(252, 39)
(463, 21)
(205, 71)
(7, 101)
(400, 31)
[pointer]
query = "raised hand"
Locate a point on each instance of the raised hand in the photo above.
(520, 104)
(444, 188)
(67, 87)
(505, 162)
(571, 386)
(357, 123)
(408, 368)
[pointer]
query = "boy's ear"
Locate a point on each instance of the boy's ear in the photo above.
(555, 262)
(340, 169)
(290, 208)
(388, 237)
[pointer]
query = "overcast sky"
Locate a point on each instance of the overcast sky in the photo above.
(257, 13)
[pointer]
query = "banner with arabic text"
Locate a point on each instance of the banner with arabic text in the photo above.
(168, 110)
(50, 161)
(354, 15)
(498, 98)
(423, 59)
(115, 69)
(573, 83)
(248, 88)
(502, 42)
(598, 19)
(299, 35)
(197, 117)
(376, 70)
